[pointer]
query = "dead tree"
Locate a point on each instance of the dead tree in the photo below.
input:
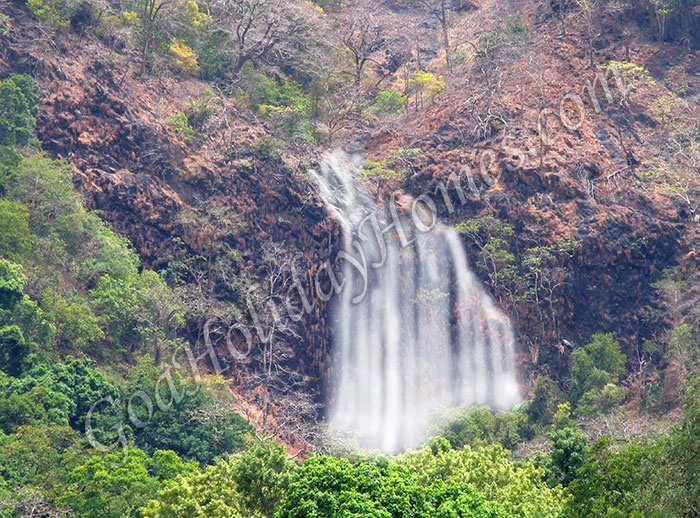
(442, 10)
(261, 28)
(363, 31)
(274, 305)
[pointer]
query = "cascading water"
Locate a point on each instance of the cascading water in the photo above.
(419, 333)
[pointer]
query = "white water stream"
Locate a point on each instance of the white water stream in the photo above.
(425, 334)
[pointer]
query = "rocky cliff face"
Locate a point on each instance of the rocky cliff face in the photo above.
(533, 170)
(580, 186)
(143, 177)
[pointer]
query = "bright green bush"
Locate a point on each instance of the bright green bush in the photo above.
(267, 147)
(598, 364)
(212, 494)
(329, 487)
(200, 110)
(180, 124)
(400, 163)
(480, 426)
(389, 101)
(518, 488)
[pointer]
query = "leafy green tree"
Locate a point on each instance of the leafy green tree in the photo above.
(568, 455)
(480, 426)
(680, 479)
(424, 83)
(13, 350)
(69, 241)
(117, 304)
(193, 425)
(212, 494)
(166, 465)
(330, 487)
(114, 485)
(547, 397)
(336, 488)
(656, 478)
(79, 380)
(491, 236)
(41, 457)
(683, 348)
(38, 405)
(601, 362)
(12, 282)
(76, 325)
(462, 501)
(60, 393)
(15, 236)
(19, 95)
(518, 488)
(17, 312)
(262, 474)
(156, 19)
(390, 101)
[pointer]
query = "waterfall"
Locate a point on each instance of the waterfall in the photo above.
(420, 333)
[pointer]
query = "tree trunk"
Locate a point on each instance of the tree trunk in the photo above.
(445, 34)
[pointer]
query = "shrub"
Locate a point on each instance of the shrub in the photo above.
(547, 396)
(601, 362)
(267, 147)
(480, 426)
(185, 57)
(5, 24)
(460, 56)
(502, 39)
(201, 109)
(422, 83)
(84, 17)
(287, 108)
(401, 162)
(180, 124)
(389, 102)
(214, 59)
(51, 11)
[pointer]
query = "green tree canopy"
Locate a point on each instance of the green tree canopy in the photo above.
(15, 236)
(601, 362)
(518, 488)
(212, 494)
(19, 95)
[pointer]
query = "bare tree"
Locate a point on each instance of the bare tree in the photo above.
(275, 304)
(589, 10)
(261, 28)
(442, 10)
(30, 504)
(363, 30)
